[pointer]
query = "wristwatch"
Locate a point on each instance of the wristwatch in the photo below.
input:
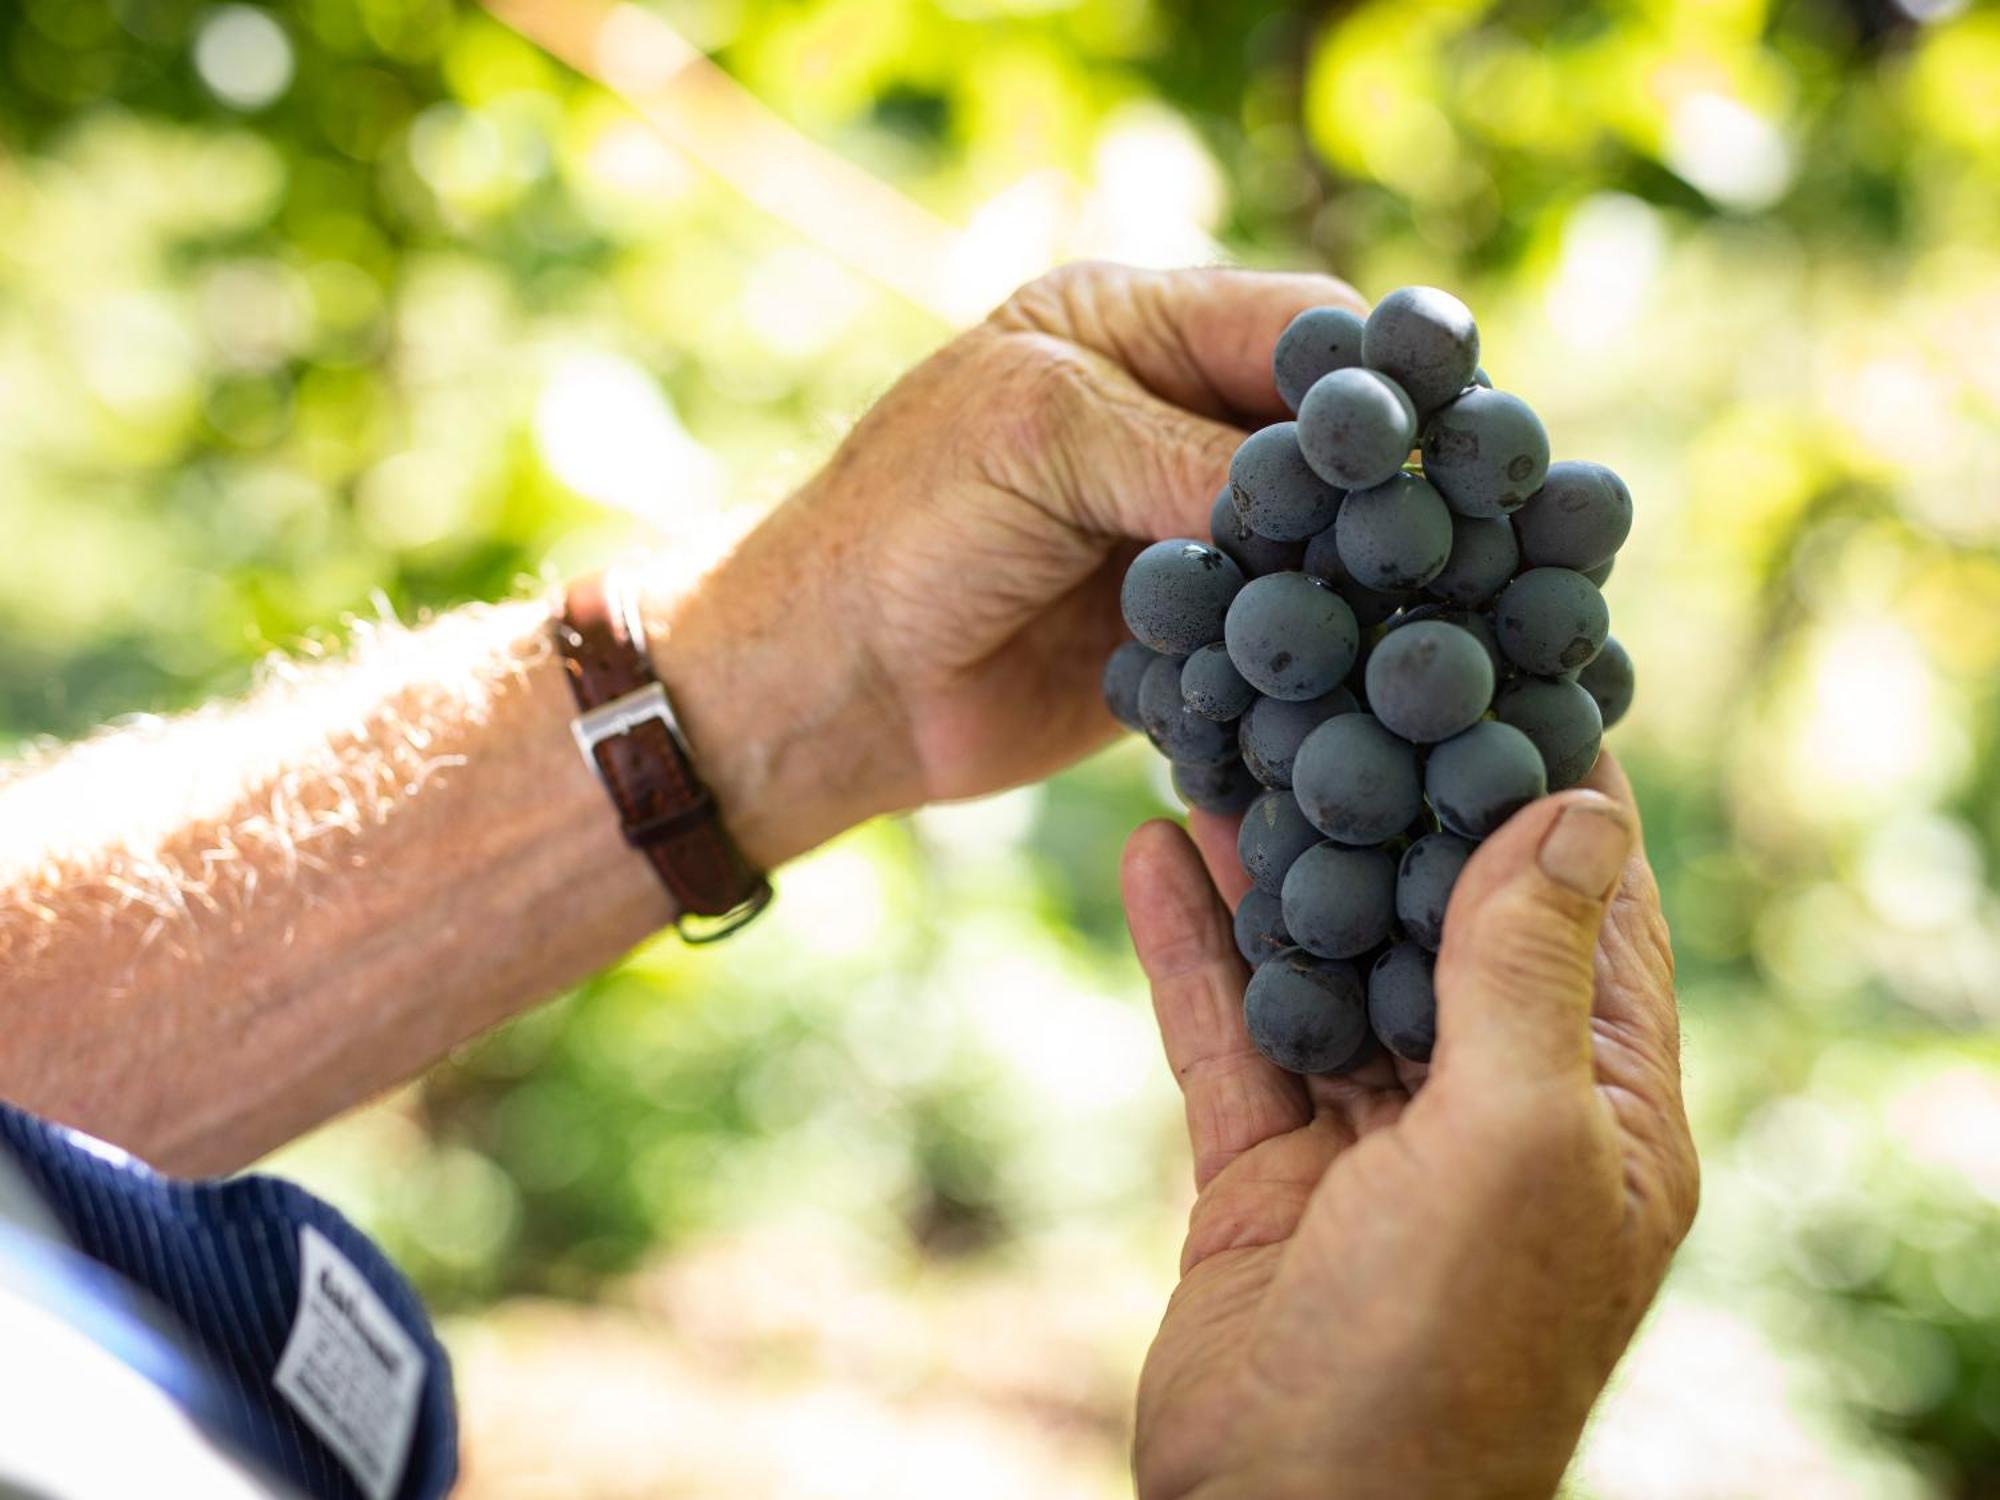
(630, 737)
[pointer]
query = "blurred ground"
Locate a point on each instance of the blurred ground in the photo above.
(770, 1366)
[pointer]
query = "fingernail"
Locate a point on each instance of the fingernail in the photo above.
(1586, 849)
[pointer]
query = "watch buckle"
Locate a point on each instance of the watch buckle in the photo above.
(622, 715)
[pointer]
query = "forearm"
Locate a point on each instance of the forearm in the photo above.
(222, 929)
(218, 931)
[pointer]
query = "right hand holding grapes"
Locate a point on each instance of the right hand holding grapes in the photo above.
(928, 617)
(1415, 1291)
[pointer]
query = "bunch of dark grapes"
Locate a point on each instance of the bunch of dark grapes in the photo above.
(1376, 661)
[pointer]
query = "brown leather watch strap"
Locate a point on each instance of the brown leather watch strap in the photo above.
(627, 731)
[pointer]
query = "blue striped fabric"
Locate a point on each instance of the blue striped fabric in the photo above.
(222, 1255)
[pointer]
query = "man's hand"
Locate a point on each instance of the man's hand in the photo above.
(929, 616)
(220, 930)
(1402, 1292)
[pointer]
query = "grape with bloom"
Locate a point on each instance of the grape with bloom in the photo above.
(1377, 659)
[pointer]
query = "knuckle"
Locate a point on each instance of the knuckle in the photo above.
(1057, 396)
(1662, 1203)
(1683, 1188)
(1077, 276)
(1049, 303)
(1661, 942)
(1196, 955)
(1206, 460)
(1041, 387)
(1638, 900)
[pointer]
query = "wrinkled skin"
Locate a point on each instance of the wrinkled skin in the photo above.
(952, 574)
(1415, 1281)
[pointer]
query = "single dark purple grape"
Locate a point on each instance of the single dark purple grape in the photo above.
(1317, 341)
(1356, 782)
(1255, 555)
(1274, 833)
(1551, 621)
(1270, 734)
(1307, 1015)
(1340, 901)
(1176, 595)
(1480, 377)
(1474, 622)
(1225, 789)
(1212, 687)
(1191, 740)
(1291, 636)
(1260, 927)
(1426, 341)
(1394, 536)
(1275, 492)
(1477, 780)
(1355, 428)
(1429, 680)
(1487, 452)
(1561, 718)
(1601, 574)
(1402, 1005)
(1483, 557)
(1122, 671)
(1177, 732)
(1578, 519)
(1609, 680)
(1370, 606)
(1160, 697)
(1424, 880)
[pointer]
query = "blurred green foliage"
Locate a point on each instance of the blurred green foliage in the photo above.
(316, 308)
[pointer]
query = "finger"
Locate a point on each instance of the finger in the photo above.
(1516, 976)
(1106, 454)
(1635, 951)
(1215, 836)
(1608, 776)
(1235, 1098)
(1358, 1096)
(1200, 338)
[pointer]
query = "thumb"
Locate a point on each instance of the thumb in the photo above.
(1516, 977)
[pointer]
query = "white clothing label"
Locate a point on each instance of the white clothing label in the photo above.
(350, 1369)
